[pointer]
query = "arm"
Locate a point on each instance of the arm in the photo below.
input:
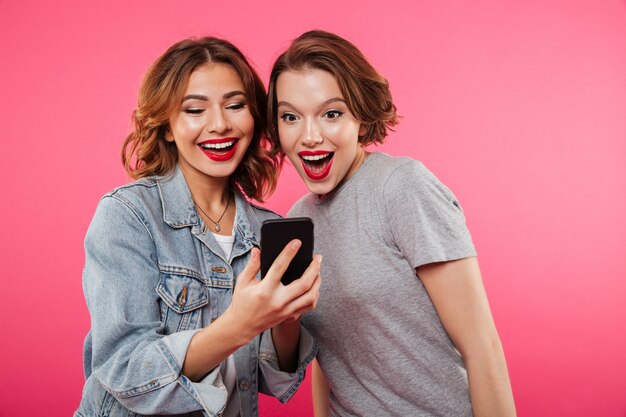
(131, 354)
(457, 292)
(319, 387)
(286, 338)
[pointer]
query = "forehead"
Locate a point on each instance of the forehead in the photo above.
(307, 84)
(214, 77)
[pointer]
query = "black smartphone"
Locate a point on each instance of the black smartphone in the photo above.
(276, 234)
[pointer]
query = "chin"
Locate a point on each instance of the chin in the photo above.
(220, 172)
(319, 187)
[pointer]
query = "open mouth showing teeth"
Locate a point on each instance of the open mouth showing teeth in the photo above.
(219, 148)
(317, 164)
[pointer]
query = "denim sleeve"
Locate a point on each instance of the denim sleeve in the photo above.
(275, 382)
(131, 356)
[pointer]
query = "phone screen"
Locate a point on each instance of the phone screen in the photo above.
(276, 234)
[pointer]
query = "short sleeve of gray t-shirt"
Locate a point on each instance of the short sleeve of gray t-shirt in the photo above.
(382, 345)
(425, 219)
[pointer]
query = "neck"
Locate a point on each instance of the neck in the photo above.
(209, 192)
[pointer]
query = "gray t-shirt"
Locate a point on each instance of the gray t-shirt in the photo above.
(382, 347)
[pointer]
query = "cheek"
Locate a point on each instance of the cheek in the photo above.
(287, 138)
(247, 124)
(242, 123)
(187, 127)
(343, 134)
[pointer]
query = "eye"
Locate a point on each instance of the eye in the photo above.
(237, 106)
(333, 114)
(193, 111)
(288, 117)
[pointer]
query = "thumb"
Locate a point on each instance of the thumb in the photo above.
(253, 266)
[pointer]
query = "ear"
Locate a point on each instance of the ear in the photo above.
(362, 130)
(168, 134)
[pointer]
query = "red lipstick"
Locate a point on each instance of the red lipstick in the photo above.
(316, 168)
(219, 150)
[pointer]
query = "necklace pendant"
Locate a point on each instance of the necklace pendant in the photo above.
(217, 227)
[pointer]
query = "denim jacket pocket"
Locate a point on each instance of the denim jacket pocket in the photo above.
(183, 293)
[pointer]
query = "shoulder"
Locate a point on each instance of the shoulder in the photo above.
(385, 174)
(406, 182)
(255, 215)
(380, 167)
(262, 213)
(386, 166)
(301, 206)
(122, 203)
(407, 174)
(136, 192)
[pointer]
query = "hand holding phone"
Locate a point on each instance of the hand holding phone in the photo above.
(276, 234)
(259, 305)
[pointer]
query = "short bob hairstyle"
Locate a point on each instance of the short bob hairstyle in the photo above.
(366, 92)
(145, 151)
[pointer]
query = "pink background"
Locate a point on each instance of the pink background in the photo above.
(519, 107)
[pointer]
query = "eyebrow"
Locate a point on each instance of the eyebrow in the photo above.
(326, 103)
(205, 98)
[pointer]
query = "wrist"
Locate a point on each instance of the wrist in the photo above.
(286, 333)
(288, 326)
(237, 332)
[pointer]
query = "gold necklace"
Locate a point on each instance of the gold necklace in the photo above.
(216, 223)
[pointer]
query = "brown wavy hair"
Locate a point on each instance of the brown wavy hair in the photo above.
(145, 151)
(366, 92)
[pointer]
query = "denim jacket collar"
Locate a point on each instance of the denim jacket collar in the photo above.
(179, 211)
(176, 201)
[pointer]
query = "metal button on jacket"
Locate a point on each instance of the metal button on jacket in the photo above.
(244, 385)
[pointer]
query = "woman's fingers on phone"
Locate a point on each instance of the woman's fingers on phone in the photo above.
(307, 300)
(305, 282)
(281, 263)
(302, 305)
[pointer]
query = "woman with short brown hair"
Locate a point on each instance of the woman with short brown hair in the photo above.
(403, 294)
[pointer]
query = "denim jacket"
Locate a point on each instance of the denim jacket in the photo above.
(152, 279)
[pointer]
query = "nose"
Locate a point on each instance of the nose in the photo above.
(312, 133)
(218, 121)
